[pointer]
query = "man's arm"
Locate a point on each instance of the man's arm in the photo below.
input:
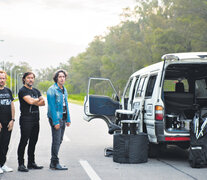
(51, 106)
(34, 101)
(11, 123)
(41, 101)
(13, 110)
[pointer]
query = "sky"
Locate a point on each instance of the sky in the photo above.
(45, 33)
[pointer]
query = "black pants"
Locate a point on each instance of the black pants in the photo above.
(29, 132)
(57, 138)
(5, 136)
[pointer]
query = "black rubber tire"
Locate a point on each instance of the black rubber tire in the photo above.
(184, 145)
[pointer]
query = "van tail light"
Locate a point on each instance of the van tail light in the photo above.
(159, 113)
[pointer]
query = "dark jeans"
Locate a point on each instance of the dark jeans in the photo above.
(29, 132)
(57, 138)
(5, 136)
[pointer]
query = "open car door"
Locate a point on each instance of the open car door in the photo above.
(103, 102)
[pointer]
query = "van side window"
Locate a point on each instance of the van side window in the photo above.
(128, 89)
(139, 92)
(150, 85)
(200, 88)
(126, 95)
(170, 85)
(134, 88)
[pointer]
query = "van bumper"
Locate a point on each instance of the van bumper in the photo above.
(159, 131)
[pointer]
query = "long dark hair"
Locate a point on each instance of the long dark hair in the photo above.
(56, 74)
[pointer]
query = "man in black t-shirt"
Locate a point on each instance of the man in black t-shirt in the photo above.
(30, 99)
(7, 114)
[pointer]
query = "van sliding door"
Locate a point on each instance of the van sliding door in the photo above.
(138, 102)
(149, 117)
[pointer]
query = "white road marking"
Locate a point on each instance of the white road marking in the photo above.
(66, 139)
(89, 170)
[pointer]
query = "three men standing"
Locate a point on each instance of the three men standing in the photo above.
(7, 112)
(58, 114)
(30, 99)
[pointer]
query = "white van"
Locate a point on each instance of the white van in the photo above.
(166, 94)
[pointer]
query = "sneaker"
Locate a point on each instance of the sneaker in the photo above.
(1, 170)
(6, 168)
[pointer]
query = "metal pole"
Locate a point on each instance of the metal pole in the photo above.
(18, 84)
(11, 78)
(15, 82)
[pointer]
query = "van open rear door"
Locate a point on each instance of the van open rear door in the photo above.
(101, 101)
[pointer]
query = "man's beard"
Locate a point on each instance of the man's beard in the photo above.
(1, 85)
(28, 84)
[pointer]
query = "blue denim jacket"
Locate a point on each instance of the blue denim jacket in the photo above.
(55, 104)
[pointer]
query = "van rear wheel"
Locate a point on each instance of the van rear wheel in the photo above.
(153, 150)
(184, 145)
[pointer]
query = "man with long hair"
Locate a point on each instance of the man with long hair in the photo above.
(58, 114)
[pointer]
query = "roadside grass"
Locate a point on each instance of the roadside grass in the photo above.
(76, 98)
(73, 98)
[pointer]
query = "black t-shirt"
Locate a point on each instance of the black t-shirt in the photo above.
(25, 108)
(5, 105)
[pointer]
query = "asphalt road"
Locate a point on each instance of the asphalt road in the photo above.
(82, 151)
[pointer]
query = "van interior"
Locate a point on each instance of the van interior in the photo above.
(184, 93)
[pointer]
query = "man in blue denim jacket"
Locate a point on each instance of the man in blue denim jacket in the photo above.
(58, 114)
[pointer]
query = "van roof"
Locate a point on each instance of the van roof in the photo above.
(150, 68)
(184, 56)
(172, 56)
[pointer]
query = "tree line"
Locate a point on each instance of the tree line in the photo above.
(146, 32)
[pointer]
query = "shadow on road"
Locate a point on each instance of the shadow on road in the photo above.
(173, 152)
